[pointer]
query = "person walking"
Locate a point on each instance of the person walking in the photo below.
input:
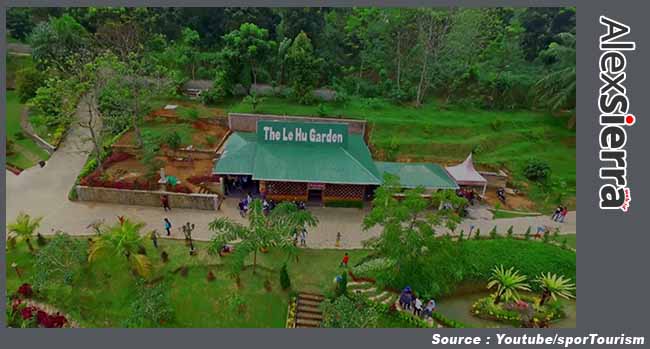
(154, 238)
(563, 214)
(346, 259)
(303, 237)
(338, 239)
(164, 200)
(556, 214)
(168, 227)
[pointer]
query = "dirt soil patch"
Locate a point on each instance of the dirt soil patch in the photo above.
(513, 202)
(131, 169)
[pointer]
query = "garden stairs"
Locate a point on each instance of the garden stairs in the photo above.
(308, 312)
(389, 298)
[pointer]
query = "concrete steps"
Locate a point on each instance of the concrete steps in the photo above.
(308, 312)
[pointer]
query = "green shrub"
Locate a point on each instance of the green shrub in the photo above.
(189, 114)
(342, 285)
(537, 170)
(493, 233)
(349, 312)
(151, 307)
(173, 140)
(477, 234)
(211, 140)
(285, 281)
(321, 110)
(496, 124)
(28, 80)
(344, 203)
(19, 135)
(527, 233)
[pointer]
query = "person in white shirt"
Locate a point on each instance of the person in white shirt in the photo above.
(417, 309)
(429, 309)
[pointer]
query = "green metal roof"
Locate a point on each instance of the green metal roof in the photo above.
(412, 175)
(238, 156)
(295, 162)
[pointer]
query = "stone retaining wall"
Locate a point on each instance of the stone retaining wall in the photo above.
(146, 198)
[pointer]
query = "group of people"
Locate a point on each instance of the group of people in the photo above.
(468, 194)
(560, 213)
(244, 204)
(410, 302)
(236, 183)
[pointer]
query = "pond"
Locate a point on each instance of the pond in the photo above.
(457, 307)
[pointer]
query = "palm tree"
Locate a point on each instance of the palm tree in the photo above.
(23, 228)
(508, 283)
(122, 239)
(262, 231)
(557, 89)
(554, 286)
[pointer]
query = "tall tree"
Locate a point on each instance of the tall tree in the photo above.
(557, 89)
(433, 25)
(19, 22)
(247, 49)
(61, 44)
(262, 231)
(303, 67)
(408, 234)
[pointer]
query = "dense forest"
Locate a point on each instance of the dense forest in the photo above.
(497, 58)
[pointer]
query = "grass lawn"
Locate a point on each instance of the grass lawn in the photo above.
(445, 134)
(498, 214)
(570, 239)
(103, 296)
(26, 152)
(14, 64)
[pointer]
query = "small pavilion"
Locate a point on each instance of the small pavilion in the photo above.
(466, 175)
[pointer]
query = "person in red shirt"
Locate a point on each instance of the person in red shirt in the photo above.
(345, 260)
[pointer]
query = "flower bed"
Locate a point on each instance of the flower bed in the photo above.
(25, 314)
(518, 312)
(291, 312)
(197, 180)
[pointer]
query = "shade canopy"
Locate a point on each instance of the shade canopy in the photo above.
(413, 175)
(465, 173)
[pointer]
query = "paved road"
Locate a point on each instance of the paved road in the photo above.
(43, 192)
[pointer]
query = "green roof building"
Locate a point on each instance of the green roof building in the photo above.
(308, 159)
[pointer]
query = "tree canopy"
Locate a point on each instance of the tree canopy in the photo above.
(495, 58)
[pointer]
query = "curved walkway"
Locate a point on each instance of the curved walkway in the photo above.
(44, 191)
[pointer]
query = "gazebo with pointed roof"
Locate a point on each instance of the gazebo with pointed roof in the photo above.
(465, 174)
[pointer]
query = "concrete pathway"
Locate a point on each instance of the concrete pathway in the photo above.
(44, 191)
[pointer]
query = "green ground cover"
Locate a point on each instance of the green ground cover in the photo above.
(14, 64)
(106, 289)
(446, 134)
(570, 239)
(26, 152)
(471, 262)
(498, 214)
(103, 296)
